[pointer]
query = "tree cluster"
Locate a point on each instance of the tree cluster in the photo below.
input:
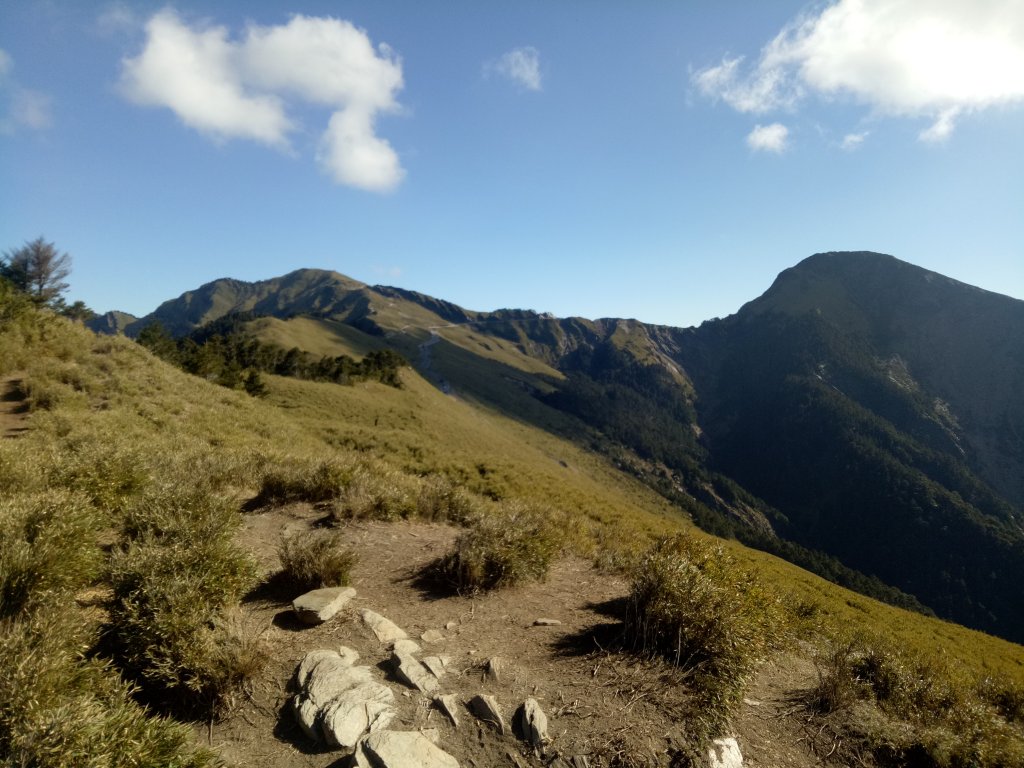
(235, 359)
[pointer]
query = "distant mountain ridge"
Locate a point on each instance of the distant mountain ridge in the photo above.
(862, 407)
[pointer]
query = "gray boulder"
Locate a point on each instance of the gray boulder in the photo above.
(367, 707)
(411, 671)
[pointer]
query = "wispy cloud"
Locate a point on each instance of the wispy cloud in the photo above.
(939, 61)
(21, 108)
(768, 138)
(243, 88)
(852, 141)
(521, 66)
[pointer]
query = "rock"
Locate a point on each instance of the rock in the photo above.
(725, 753)
(367, 707)
(306, 713)
(384, 629)
(486, 708)
(498, 669)
(546, 622)
(451, 625)
(331, 677)
(401, 749)
(433, 734)
(431, 636)
(532, 723)
(309, 661)
(449, 704)
(321, 605)
(435, 665)
(406, 645)
(411, 672)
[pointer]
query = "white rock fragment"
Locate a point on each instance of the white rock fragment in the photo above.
(384, 629)
(435, 665)
(546, 622)
(321, 605)
(405, 645)
(725, 753)
(431, 636)
(348, 716)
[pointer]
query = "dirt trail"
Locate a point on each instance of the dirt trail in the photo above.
(614, 708)
(13, 406)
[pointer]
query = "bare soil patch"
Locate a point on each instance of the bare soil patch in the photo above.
(13, 406)
(614, 708)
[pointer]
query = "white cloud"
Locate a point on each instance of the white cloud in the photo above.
(244, 88)
(938, 60)
(21, 107)
(522, 67)
(768, 138)
(852, 141)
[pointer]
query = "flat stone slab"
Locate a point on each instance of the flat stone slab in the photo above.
(321, 605)
(385, 630)
(546, 622)
(431, 636)
(436, 665)
(401, 749)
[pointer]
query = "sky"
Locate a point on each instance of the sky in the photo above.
(654, 160)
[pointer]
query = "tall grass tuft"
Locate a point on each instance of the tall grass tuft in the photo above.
(317, 558)
(690, 603)
(514, 544)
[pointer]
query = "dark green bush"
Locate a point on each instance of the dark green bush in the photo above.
(317, 558)
(691, 603)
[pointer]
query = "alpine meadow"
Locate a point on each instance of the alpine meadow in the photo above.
(526, 385)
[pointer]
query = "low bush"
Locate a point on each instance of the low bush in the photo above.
(59, 709)
(691, 603)
(48, 544)
(442, 500)
(306, 481)
(378, 493)
(514, 544)
(172, 589)
(317, 558)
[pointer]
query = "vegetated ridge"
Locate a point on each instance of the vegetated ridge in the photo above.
(862, 418)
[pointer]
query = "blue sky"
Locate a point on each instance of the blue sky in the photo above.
(655, 160)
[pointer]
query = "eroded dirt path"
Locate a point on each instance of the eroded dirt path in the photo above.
(13, 406)
(613, 708)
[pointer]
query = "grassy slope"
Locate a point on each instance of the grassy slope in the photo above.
(110, 404)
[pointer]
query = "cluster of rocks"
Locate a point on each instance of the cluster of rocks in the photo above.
(345, 705)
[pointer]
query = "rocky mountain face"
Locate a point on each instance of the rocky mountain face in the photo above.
(862, 414)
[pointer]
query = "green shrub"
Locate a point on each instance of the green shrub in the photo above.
(322, 481)
(378, 493)
(838, 685)
(317, 558)
(691, 603)
(442, 500)
(166, 630)
(48, 544)
(515, 544)
(59, 709)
